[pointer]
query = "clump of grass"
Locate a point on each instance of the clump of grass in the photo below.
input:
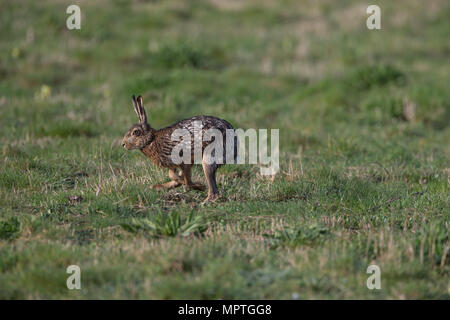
(283, 191)
(388, 106)
(366, 77)
(10, 228)
(66, 130)
(13, 178)
(184, 55)
(168, 225)
(433, 241)
(297, 236)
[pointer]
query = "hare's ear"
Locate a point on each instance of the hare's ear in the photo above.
(136, 106)
(143, 115)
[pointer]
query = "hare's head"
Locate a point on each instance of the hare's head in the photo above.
(141, 134)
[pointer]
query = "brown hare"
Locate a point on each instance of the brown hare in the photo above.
(158, 146)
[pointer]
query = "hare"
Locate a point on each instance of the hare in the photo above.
(158, 146)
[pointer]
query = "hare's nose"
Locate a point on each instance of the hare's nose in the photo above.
(123, 145)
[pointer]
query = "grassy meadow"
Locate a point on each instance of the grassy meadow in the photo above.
(364, 119)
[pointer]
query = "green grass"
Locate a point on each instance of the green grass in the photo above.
(362, 181)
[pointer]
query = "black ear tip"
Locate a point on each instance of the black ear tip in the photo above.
(133, 97)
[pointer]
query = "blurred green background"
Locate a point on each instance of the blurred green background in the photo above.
(364, 136)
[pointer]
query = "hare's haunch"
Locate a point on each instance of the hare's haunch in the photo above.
(158, 146)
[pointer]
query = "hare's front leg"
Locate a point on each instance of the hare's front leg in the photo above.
(187, 179)
(210, 174)
(176, 181)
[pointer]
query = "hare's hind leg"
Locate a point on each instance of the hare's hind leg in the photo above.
(187, 179)
(210, 174)
(175, 181)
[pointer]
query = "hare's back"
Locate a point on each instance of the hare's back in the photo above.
(202, 123)
(197, 128)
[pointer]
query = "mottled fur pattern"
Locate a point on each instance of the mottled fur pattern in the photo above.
(158, 146)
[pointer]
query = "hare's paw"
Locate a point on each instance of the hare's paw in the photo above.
(211, 198)
(167, 185)
(197, 186)
(157, 187)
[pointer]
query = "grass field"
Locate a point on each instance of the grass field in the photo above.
(364, 121)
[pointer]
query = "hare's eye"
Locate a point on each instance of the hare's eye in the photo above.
(136, 133)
